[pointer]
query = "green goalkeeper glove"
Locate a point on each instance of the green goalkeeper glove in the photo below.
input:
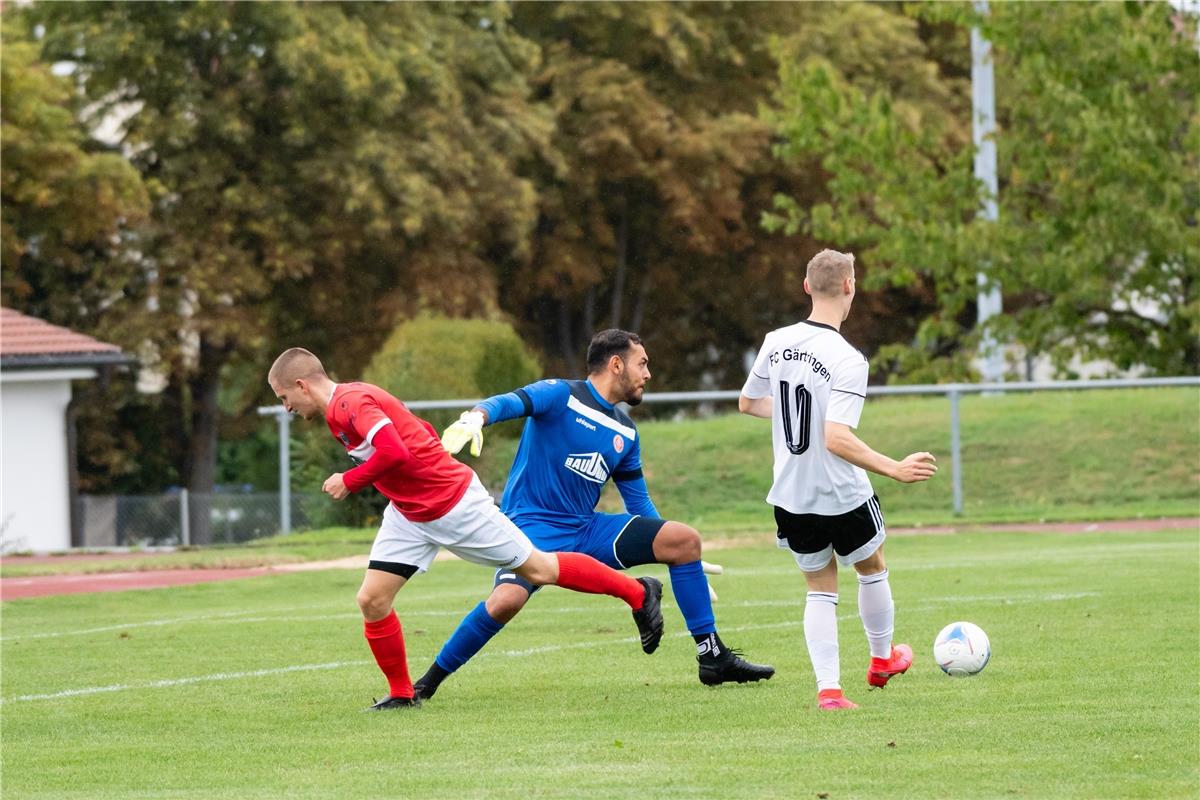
(469, 428)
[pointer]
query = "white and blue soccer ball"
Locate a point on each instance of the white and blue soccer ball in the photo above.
(962, 649)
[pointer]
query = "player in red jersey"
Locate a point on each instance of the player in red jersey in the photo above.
(436, 502)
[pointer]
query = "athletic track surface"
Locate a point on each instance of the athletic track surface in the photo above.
(44, 585)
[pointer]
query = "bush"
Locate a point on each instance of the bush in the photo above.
(428, 358)
(435, 358)
(316, 456)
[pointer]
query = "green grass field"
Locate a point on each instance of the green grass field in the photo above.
(253, 688)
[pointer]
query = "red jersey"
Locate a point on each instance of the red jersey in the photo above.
(415, 472)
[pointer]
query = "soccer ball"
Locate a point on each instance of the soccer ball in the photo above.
(961, 649)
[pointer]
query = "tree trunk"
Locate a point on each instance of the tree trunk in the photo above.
(639, 308)
(201, 471)
(589, 313)
(622, 262)
(566, 344)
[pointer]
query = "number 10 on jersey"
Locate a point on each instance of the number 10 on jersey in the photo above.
(797, 433)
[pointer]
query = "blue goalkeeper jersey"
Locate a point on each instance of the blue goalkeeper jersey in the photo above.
(573, 442)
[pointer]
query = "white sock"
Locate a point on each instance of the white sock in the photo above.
(877, 611)
(820, 632)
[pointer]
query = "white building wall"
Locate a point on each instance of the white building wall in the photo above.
(34, 490)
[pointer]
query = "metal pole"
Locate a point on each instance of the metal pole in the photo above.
(285, 473)
(284, 419)
(185, 519)
(983, 129)
(956, 453)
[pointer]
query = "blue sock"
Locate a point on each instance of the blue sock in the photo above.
(691, 594)
(475, 630)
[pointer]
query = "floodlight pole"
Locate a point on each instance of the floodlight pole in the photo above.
(983, 130)
(284, 418)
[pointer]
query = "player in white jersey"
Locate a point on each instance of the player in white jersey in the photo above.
(811, 383)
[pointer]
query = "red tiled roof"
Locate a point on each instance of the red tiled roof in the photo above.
(22, 335)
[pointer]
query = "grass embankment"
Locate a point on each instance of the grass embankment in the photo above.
(1052, 456)
(1049, 456)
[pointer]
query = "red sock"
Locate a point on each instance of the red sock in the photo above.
(581, 573)
(387, 645)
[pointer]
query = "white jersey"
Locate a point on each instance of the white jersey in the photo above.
(814, 376)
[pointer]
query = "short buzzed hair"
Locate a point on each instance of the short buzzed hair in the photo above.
(294, 364)
(827, 270)
(606, 344)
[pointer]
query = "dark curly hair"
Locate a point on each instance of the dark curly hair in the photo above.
(606, 344)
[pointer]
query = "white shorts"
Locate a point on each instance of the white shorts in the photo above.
(474, 530)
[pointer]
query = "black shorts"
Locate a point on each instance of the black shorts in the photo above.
(814, 538)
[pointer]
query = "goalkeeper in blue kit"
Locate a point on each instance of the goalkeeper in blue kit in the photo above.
(575, 439)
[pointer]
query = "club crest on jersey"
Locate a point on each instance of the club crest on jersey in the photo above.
(618, 443)
(589, 466)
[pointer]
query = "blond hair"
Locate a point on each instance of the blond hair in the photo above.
(827, 270)
(294, 364)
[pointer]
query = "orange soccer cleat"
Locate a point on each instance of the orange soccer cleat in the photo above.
(883, 669)
(832, 700)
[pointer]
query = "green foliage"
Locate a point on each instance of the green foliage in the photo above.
(68, 208)
(1096, 245)
(128, 441)
(437, 358)
(650, 187)
(428, 358)
(432, 358)
(315, 455)
(253, 688)
(313, 174)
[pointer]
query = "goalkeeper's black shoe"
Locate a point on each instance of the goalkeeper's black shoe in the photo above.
(729, 666)
(389, 703)
(649, 617)
(427, 685)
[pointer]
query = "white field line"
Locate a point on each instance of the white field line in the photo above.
(288, 615)
(163, 684)
(551, 648)
(232, 616)
(1103, 552)
(223, 617)
(1033, 555)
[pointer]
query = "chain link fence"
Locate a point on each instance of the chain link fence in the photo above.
(185, 518)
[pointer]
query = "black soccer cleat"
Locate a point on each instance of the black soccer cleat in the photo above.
(427, 685)
(649, 617)
(389, 703)
(731, 667)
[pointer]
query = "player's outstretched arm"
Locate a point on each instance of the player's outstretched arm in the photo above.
(842, 442)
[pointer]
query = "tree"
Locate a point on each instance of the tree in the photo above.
(315, 171)
(642, 180)
(72, 211)
(661, 169)
(67, 206)
(1096, 245)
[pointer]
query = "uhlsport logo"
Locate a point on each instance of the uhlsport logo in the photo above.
(590, 466)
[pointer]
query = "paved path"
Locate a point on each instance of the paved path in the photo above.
(43, 585)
